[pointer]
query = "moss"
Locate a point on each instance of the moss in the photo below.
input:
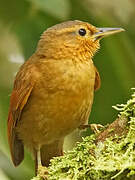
(113, 158)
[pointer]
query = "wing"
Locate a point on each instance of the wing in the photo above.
(23, 86)
(97, 80)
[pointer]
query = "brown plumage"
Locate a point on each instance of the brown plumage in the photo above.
(53, 91)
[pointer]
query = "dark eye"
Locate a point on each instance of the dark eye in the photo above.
(82, 32)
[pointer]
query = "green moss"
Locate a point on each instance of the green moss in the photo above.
(112, 159)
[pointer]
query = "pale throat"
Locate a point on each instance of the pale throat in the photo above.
(84, 53)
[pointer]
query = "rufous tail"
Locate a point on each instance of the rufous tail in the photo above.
(49, 151)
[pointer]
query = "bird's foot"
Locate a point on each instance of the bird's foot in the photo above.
(94, 127)
(42, 171)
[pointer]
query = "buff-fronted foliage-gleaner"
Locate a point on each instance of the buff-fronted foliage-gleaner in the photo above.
(53, 90)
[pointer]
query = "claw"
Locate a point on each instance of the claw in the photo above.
(94, 127)
(43, 172)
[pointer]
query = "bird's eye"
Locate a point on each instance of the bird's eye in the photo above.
(82, 32)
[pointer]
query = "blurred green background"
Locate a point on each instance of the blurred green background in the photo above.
(21, 24)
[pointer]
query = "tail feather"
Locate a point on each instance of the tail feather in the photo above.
(17, 150)
(49, 151)
(16, 145)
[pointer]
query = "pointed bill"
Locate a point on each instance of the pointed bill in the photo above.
(103, 32)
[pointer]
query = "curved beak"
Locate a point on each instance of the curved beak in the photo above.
(103, 32)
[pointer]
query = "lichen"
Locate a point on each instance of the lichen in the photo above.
(113, 158)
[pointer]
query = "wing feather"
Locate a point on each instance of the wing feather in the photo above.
(97, 80)
(23, 87)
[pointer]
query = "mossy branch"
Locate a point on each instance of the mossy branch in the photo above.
(108, 155)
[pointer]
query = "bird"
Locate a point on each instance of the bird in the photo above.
(53, 90)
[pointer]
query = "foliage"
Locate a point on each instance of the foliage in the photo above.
(111, 159)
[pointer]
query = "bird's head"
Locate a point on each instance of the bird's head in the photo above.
(72, 39)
